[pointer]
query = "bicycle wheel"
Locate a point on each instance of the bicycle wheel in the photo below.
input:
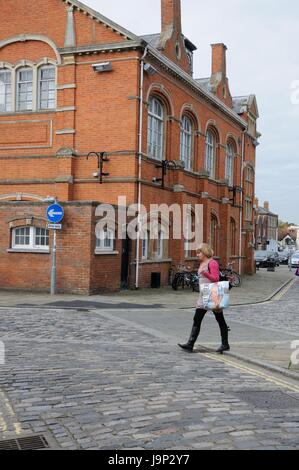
(235, 279)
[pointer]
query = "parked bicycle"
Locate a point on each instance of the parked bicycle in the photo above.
(227, 273)
(185, 279)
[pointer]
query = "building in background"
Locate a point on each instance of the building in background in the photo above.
(266, 228)
(79, 83)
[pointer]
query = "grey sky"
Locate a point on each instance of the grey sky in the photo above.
(263, 58)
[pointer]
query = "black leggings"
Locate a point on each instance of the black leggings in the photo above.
(199, 316)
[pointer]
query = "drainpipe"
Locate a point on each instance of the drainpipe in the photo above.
(140, 165)
(242, 201)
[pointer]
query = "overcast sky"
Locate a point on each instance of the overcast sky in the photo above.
(262, 37)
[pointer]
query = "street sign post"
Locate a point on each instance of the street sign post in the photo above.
(55, 214)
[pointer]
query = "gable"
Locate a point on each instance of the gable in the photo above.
(55, 18)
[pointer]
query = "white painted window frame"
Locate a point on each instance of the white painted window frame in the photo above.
(156, 129)
(105, 236)
(6, 91)
(32, 239)
(210, 154)
(40, 81)
(14, 69)
(229, 164)
(187, 142)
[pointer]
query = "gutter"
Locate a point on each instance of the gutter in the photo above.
(140, 132)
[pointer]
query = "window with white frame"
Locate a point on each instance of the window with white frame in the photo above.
(189, 230)
(31, 238)
(187, 142)
(229, 164)
(160, 245)
(105, 240)
(46, 87)
(156, 129)
(210, 153)
(145, 245)
(5, 91)
(25, 89)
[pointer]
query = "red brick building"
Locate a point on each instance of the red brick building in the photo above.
(73, 82)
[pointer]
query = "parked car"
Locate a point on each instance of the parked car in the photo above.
(295, 260)
(284, 257)
(264, 258)
(261, 258)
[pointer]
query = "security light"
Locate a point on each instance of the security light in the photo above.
(102, 67)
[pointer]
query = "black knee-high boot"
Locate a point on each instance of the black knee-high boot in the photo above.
(224, 333)
(193, 337)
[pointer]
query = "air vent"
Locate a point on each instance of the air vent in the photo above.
(38, 442)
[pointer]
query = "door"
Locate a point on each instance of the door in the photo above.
(125, 258)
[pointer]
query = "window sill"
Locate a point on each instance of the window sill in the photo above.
(155, 261)
(28, 250)
(28, 113)
(105, 253)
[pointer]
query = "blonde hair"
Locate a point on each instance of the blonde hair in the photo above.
(206, 250)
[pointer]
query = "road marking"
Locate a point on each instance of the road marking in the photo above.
(284, 291)
(265, 376)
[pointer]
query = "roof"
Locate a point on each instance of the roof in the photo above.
(96, 15)
(204, 83)
(154, 39)
(263, 211)
(242, 104)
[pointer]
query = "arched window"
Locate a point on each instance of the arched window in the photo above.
(189, 234)
(210, 153)
(229, 164)
(233, 232)
(32, 238)
(105, 240)
(25, 89)
(46, 87)
(249, 193)
(214, 233)
(156, 129)
(5, 91)
(187, 142)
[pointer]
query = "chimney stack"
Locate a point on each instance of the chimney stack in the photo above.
(171, 15)
(266, 206)
(219, 59)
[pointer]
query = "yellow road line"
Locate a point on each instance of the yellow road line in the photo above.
(284, 291)
(265, 376)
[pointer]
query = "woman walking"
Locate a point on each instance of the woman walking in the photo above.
(208, 274)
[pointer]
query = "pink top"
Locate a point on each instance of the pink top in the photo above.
(209, 276)
(213, 274)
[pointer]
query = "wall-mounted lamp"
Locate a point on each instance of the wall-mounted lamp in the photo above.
(102, 67)
(165, 165)
(102, 158)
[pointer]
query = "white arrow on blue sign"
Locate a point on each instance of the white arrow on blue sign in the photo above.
(55, 213)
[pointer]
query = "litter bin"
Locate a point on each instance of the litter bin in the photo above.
(156, 280)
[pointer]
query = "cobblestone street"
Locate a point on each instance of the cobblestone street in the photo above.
(98, 382)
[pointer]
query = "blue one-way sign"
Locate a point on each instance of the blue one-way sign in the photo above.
(55, 213)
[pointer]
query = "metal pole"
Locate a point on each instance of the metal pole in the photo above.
(53, 269)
